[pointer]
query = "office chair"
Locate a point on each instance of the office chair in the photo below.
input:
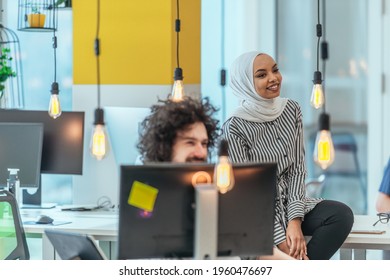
(13, 244)
(75, 246)
(314, 186)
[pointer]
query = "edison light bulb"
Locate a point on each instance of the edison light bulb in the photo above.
(178, 91)
(223, 172)
(317, 99)
(178, 86)
(223, 175)
(54, 105)
(99, 141)
(324, 149)
(317, 96)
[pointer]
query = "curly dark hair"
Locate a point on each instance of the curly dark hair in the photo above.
(160, 128)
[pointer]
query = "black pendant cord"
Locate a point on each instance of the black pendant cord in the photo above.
(324, 52)
(55, 55)
(177, 29)
(223, 70)
(319, 34)
(54, 44)
(97, 52)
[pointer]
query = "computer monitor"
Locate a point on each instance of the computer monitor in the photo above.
(62, 139)
(21, 148)
(245, 214)
(62, 150)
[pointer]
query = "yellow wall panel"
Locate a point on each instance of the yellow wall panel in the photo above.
(138, 41)
(189, 39)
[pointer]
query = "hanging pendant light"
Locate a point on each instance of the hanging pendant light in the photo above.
(317, 98)
(223, 172)
(178, 86)
(324, 149)
(324, 153)
(54, 104)
(99, 146)
(99, 140)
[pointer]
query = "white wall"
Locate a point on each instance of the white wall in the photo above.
(249, 25)
(101, 178)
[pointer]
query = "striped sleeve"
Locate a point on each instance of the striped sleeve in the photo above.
(297, 174)
(238, 147)
(279, 230)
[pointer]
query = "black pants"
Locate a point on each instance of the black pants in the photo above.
(329, 224)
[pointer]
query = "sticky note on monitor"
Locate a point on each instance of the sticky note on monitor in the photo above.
(142, 196)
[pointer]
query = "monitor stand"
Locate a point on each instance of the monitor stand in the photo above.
(34, 200)
(206, 222)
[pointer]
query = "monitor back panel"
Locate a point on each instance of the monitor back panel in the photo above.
(62, 139)
(21, 148)
(246, 213)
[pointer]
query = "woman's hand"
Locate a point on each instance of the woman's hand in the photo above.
(284, 248)
(295, 240)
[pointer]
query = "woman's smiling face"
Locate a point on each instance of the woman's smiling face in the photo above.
(266, 76)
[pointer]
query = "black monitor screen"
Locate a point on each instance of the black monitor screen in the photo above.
(62, 140)
(21, 148)
(245, 214)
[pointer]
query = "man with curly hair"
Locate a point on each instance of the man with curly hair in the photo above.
(179, 131)
(183, 132)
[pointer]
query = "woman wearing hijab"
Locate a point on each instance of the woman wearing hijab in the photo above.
(268, 128)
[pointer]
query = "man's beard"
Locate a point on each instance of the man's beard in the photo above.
(196, 159)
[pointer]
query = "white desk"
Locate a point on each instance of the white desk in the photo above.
(102, 225)
(359, 243)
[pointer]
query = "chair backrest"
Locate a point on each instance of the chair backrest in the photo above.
(346, 155)
(13, 244)
(346, 161)
(74, 246)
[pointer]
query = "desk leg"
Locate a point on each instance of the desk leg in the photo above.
(47, 249)
(359, 254)
(345, 254)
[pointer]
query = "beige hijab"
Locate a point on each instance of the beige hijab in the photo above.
(252, 107)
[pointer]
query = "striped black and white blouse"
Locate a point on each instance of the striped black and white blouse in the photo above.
(281, 141)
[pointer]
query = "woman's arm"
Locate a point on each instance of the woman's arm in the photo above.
(238, 147)
(296, 194)
(297, 174)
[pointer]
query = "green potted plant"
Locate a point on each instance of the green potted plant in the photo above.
(36, 19)
(5, 69)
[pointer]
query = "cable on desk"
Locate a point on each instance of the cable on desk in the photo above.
(104, 202)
